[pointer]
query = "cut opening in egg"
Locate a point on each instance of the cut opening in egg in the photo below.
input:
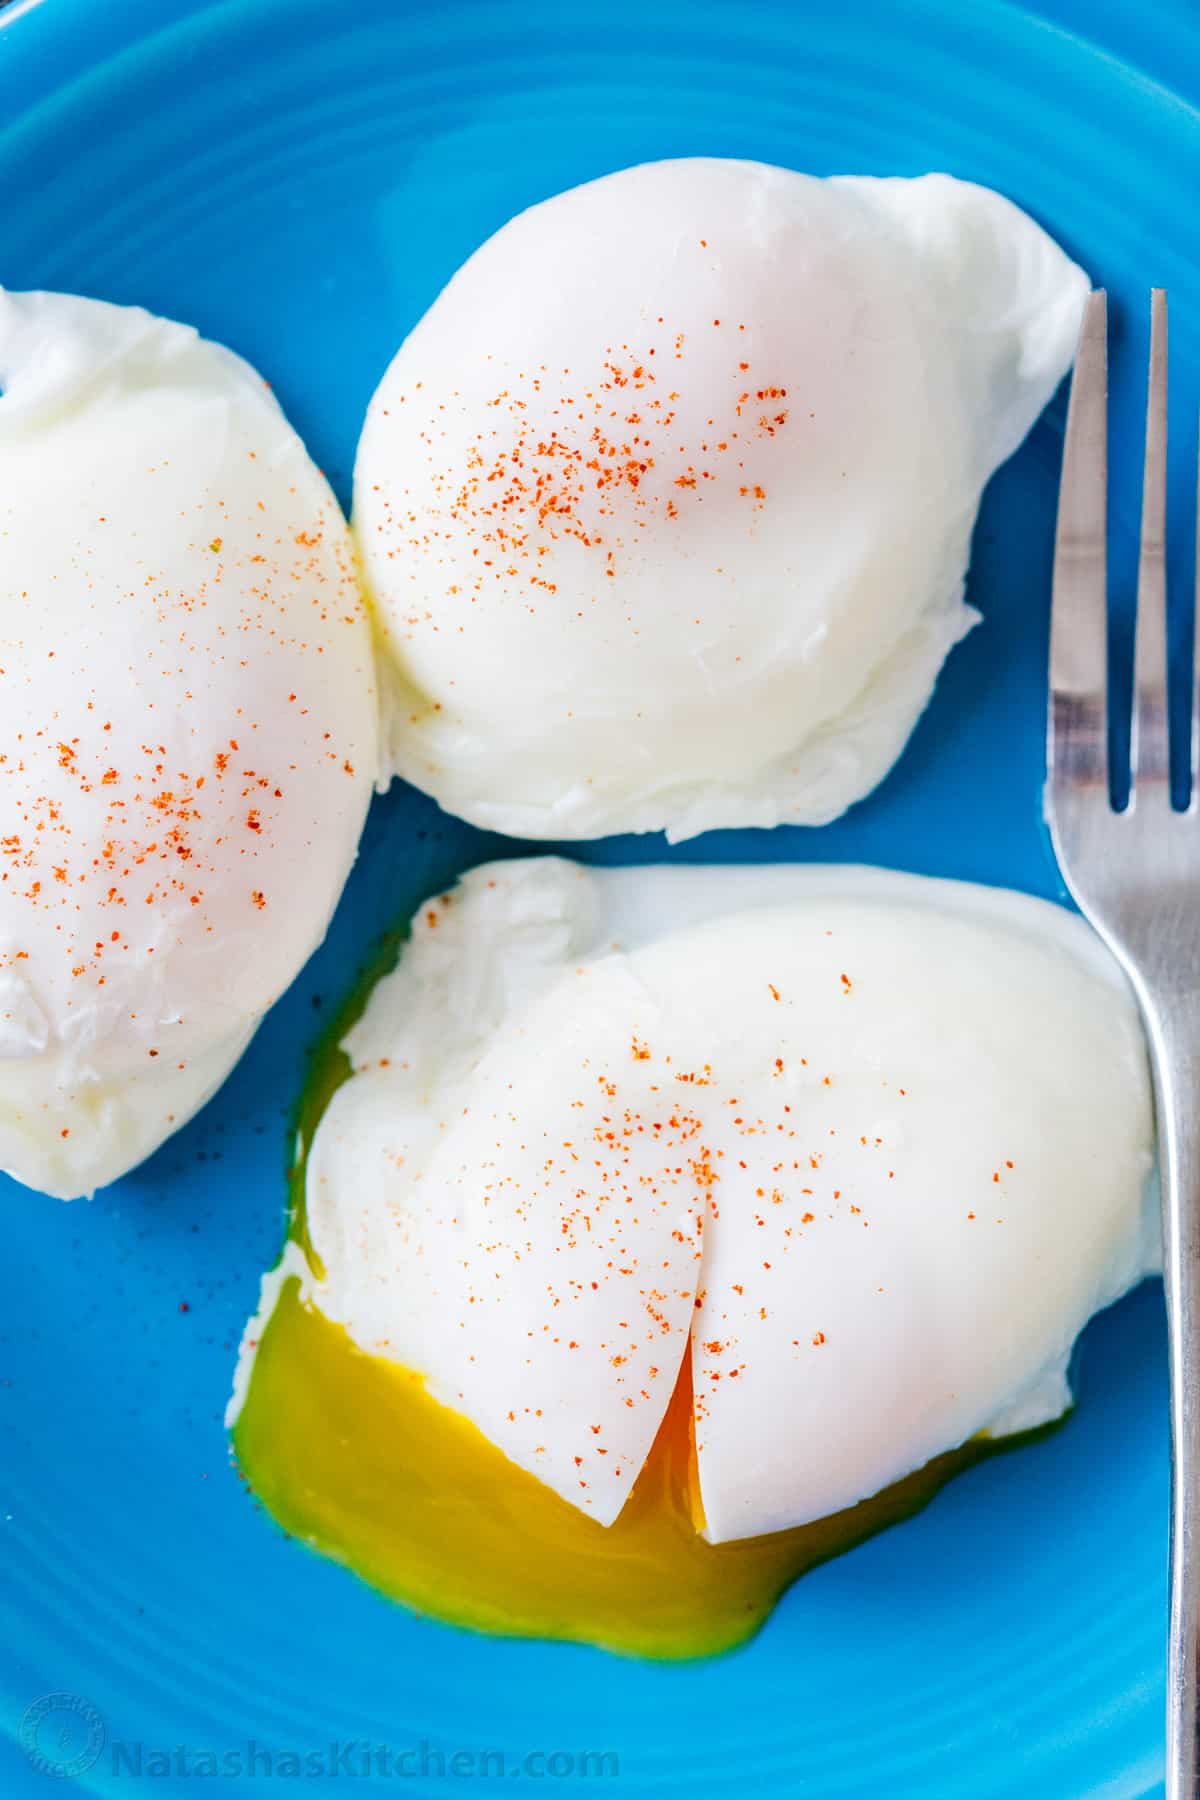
(351, 1455)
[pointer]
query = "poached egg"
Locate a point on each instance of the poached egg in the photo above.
(745, 1192)
(188, 726)
(666, 503)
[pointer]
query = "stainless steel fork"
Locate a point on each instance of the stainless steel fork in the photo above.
(1135, 874)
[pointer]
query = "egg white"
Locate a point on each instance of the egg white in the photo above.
(188, 726)
(871, 1148)
(666, 502)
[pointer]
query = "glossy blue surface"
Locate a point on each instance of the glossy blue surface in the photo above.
(298, 179)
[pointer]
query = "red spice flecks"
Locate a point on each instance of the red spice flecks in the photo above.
(96, 816)
(566, 456)
(145, 850)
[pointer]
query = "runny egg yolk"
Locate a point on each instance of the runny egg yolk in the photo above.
(349, 1453)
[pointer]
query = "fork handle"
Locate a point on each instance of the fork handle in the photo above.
(1173, 1027)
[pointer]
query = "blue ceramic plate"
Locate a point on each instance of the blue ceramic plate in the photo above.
(298, 178)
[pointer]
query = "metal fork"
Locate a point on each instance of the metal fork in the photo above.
(1136, 876)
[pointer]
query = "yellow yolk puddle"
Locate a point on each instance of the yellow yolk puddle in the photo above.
(349, 1453)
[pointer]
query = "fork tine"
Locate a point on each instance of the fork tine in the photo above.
(1077, 730)
(1195, 734)
(1149, 754)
